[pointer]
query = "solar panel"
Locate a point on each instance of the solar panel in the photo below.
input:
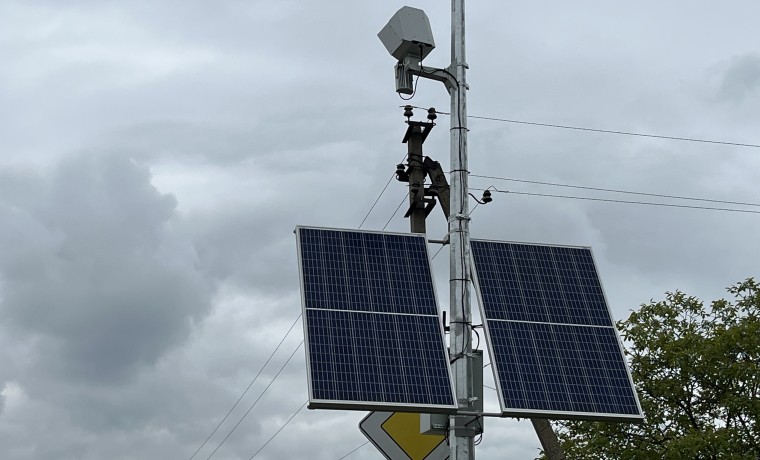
(554, 348)
(373, 336)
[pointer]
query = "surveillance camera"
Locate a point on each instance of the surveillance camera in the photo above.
(408, 34)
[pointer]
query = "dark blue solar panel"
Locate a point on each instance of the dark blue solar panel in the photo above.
(395, 359)
(554, 348)
(561, 368)
(522, 282)
(364, 271)
(373, 335)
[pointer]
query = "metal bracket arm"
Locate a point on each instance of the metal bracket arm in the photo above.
(413, 66)
(438, 179)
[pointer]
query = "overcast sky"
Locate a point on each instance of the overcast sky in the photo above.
(155, 157)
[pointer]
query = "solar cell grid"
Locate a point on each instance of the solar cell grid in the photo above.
(554, 348)
(563, 368)
(373, 336)
(364, 271)
(551, 284)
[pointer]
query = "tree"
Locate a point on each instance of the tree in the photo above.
(697, 372)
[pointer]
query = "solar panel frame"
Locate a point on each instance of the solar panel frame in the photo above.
(579, 413)
(424, 315)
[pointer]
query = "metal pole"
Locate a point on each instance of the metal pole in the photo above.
(459, 233)
(462, 447)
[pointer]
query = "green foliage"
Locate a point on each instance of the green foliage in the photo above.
(697, 372)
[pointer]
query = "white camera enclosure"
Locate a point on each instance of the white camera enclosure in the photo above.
(408, 34)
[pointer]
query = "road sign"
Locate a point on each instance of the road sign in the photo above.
(397, 436)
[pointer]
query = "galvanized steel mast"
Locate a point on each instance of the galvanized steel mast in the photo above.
(461, 444)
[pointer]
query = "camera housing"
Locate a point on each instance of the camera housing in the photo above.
(408, 34)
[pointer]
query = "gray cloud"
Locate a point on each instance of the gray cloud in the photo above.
(138, 298)
(741, 79)
(98, 270)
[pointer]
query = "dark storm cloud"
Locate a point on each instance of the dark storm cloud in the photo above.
(97, 270)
